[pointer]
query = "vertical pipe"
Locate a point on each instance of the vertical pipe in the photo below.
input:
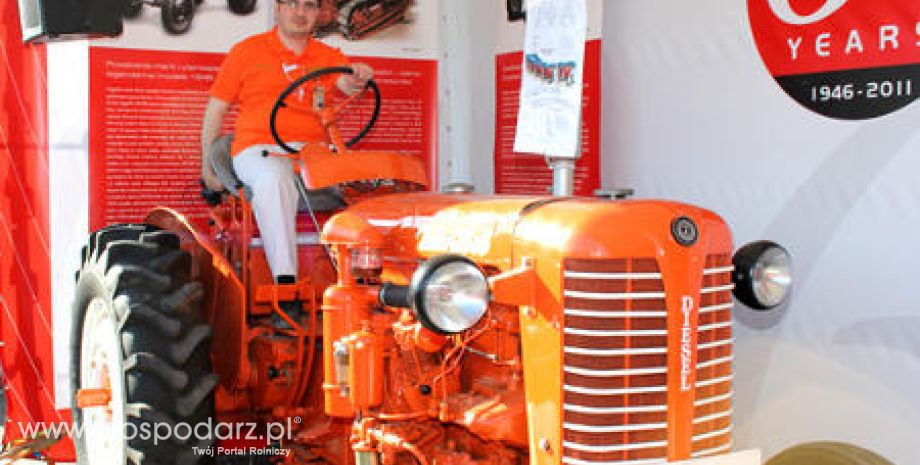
(563, 176)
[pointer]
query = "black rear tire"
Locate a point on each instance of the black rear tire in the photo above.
(143, 278)
(242, 7)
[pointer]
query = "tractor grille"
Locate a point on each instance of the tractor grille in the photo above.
(615, 347)
(712, 422)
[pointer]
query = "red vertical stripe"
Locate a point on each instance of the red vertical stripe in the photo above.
(25, 262)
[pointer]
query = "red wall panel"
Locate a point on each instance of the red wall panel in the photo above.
(25, 281)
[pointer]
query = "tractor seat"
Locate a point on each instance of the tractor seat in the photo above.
(321, 200)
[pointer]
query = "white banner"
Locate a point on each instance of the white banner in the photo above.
(551, 85)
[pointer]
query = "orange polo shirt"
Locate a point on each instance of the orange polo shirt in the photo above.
(256, 71)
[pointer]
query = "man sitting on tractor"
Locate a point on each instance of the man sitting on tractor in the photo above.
(253, 73)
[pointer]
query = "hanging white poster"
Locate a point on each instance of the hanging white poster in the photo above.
(551, 84)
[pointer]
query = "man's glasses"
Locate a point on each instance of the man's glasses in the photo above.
(294, 4)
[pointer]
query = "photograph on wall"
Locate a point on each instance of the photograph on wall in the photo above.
(356, 20)
(189, 25)
(176, 16)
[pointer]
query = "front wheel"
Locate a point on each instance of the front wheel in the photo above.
(177, 15)
(827, 453)
(140, 367)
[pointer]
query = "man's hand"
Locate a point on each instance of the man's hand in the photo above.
(362, 73)
(353, 83)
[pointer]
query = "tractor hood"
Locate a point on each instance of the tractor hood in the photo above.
(496, 231)
(416, 226)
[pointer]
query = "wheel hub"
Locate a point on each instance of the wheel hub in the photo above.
(102, 388)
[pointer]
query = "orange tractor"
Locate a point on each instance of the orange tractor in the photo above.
(447, 329)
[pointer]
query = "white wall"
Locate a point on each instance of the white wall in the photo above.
(691, 113)
(467, 92)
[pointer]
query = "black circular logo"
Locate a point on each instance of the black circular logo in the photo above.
(844, 59)
(685, 231)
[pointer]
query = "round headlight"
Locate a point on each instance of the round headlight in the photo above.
(449, 294)
(763, 274)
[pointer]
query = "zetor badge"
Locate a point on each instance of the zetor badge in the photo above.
(845, 59)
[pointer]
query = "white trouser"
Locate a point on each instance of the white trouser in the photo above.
(274, 203)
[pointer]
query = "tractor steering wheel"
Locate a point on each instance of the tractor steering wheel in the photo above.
(280, 103)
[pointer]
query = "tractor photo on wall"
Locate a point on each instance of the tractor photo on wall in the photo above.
(177, 15)
(356, 19)
(422, 327)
